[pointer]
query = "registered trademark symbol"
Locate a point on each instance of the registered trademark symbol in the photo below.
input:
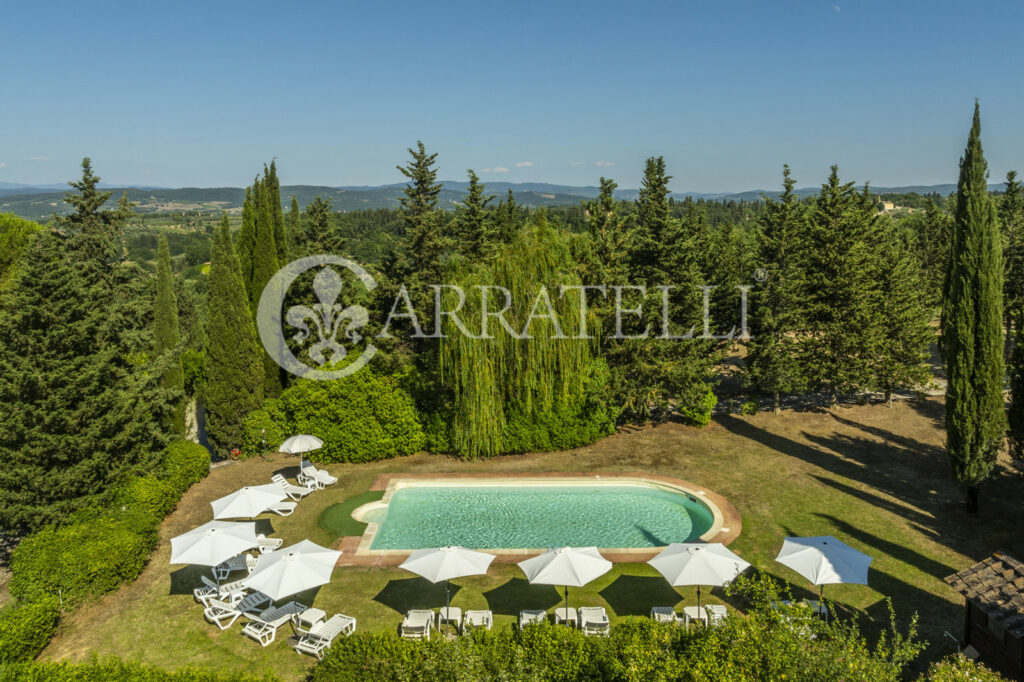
(760, 274)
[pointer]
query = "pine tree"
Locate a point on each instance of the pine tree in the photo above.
(507, 219)
(234, 364)
(166, 334)
(81, 405)
(843, 300)
(972, 326)
(246, 239)
(474, 229)
(901, 358)
(421, 265)
(777, 305)
(265, 266)
(273, 189)
(295, 235)
(608, 232)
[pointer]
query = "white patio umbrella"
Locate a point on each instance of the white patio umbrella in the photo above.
(445, 563)
(301, 566)
(825, 560)
(248, 502)
(301, 443)
(213, 542)
(568, 566)
(698, 563)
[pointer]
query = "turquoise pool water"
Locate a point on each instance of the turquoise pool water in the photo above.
(507, 517)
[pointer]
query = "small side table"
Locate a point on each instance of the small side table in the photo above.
(307, 619)
(693, 613)
(565, 615)
(449, 614)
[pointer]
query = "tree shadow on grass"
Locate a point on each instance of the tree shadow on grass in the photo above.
(634, 595)
(509, 598)
(405, 594)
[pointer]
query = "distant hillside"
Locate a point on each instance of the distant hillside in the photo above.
(38, 202)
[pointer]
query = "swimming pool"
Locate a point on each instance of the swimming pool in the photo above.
(535, 514)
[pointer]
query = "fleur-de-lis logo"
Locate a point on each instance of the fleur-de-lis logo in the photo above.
(327, 323)
(328, 318)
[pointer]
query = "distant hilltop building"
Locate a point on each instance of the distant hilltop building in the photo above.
(885, 206)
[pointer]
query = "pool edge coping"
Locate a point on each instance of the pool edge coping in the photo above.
(726, 526)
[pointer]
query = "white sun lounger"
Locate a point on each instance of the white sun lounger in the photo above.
(665, 614)
(322, 634)
(229, 592)
(417, 624)
(263, 627)
(309, 475)
(594, 620)
(266, 544)
(283, 508)
(223, 614)
(477, 619)
(531, 616)
(240, 562)
(295, 492)
(717, 613)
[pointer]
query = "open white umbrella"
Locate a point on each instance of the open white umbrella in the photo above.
(300, 567)
(301, 443)
(568, 566)
(213, 542)
(825, 560)
(445, 563)
(698, 563)
(248, 502)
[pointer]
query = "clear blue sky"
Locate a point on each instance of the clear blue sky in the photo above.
(181, 93)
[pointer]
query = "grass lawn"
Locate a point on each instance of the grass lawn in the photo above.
(875, 477)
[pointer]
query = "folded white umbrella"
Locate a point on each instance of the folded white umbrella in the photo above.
(568, 566)
(825, 560)
(698, 563)
(301, 443)
(248, 502)
(300, 567)
(445, 563)
(213, 542)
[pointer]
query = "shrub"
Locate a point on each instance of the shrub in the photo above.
(958, 668)
(147, 494)
(185, 463)
(359, 418)
(265, 423)
(749, 407)
(116, 670)
(90, 556)
(697, 412)
(25, 628)
(558, 429)
(193, 367)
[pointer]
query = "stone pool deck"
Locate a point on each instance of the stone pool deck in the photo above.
(729, 531)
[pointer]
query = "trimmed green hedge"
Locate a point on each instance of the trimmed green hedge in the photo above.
(116, 670)
(360, 418)
(84, 559)
(147, 494)
(184, 464)
(25, 629)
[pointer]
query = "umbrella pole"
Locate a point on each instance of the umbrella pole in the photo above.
(566, 604)
(698, 601)
(447, 600)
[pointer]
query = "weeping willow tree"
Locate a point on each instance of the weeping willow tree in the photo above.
(521, 356)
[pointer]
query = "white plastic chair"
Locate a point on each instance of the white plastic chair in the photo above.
(417, 624)
(295, 492)
(477, 619)
(594, 620)
(263, 627)
(223, 614)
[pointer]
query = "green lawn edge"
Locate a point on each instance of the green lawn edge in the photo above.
(337, 519)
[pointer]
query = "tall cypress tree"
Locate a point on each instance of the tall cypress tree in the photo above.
(773, 364)
(474, 229)
(273, 188)
(234, 364)
(1011, 214)
(246, 238)
(79, 409)
(166, 334)
(294, 223)
(264, 266)
(972, 326)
